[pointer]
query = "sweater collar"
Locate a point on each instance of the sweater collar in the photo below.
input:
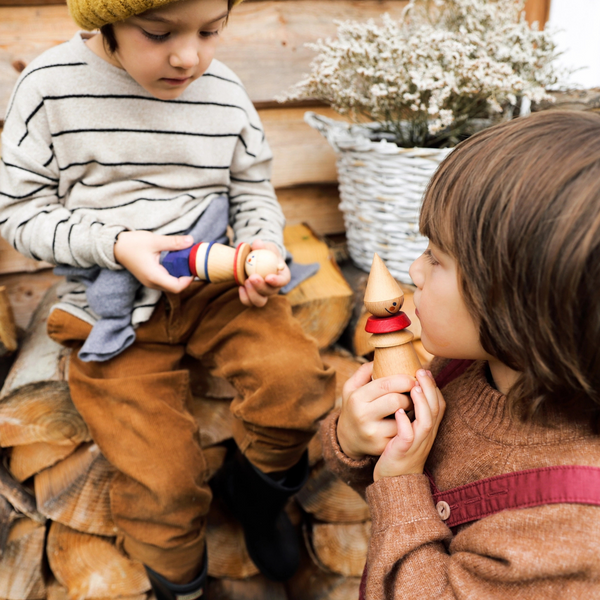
(485, 411)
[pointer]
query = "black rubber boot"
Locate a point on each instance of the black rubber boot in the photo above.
(165, 590)
(258, 503)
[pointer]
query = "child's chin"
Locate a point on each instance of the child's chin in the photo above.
(162, 93)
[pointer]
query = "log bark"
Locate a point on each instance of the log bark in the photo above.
(18, 496)
(327, 498)
(75, 492)
(8, 516)
(339, 547)
(90, 566)
(21, 567)
(322, 303)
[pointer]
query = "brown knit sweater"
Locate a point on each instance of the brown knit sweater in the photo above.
(546, 552)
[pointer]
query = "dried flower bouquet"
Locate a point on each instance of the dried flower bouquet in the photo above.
(428, 78)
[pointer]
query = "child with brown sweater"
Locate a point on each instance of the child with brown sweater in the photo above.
(510, 282)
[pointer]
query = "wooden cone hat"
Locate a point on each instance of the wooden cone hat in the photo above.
(383, 296)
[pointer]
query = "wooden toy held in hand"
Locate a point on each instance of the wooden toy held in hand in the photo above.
(394, 352)
(218, 263)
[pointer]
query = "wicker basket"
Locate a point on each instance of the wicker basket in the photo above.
(381, 188)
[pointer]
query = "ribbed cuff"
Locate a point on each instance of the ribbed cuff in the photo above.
(105, 246)
(399, 500)
(352, 471)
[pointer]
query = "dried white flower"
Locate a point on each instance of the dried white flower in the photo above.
(425, 77)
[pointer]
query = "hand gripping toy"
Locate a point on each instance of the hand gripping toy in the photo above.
(217, 263)
(394, 352)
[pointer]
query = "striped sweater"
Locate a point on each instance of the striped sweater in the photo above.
(88, 153)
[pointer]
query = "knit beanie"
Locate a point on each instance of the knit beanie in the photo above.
(93, 14)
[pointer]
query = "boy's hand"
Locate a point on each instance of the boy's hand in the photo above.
(362, 426)
(407, 452)
(256, 290)
(139, 252)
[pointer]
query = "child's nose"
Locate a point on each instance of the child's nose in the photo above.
(185, 57)
(416, 273)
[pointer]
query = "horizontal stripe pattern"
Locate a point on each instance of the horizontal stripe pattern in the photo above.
(87, 153)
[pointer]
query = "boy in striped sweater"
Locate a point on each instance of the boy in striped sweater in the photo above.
(117, 147)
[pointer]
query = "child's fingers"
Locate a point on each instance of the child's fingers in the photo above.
(359, 378)
(171, 242)
(279, 279)
(160, 279)
(424, 420)
(405, 436)
(387, 405)
(243, 294)
(432, 394)
(256, 297)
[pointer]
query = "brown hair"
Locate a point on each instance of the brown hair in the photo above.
(110, 41)
(518, 207)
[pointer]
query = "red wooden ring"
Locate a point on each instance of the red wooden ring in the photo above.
(192, 260)
(387, 324)
(235, 257)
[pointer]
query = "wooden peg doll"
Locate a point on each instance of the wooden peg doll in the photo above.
(218, 263)
(394, 352)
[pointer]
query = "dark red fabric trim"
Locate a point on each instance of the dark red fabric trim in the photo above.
(455, 368)
(521, 489)
(362, 588)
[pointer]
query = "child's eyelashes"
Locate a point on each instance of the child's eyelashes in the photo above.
(430, 257)
(156, 37)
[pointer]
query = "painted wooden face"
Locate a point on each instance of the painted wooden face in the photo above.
(262, 262)
(385, 308)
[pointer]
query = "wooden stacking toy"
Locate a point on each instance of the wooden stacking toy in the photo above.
(218, 263)
(394, 352)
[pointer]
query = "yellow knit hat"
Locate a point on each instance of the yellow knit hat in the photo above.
(93, 14)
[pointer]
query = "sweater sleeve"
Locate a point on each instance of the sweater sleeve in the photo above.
(33, 217)
(356, 473)
(535, 553)
(255, 212)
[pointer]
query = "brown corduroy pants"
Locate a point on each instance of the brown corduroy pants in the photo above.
(137, 407)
